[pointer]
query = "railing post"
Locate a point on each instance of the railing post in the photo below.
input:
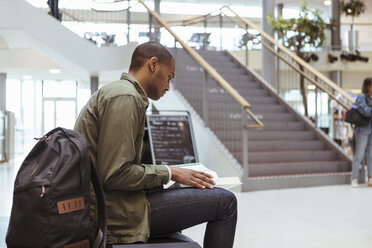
(316, 117)
(128, 22)
(150, 27)
(277, 79)
(156, 34)
(205, 43)
(246, 47)
(221, 23)
(205, 98)
(331, 129)
(245, 144)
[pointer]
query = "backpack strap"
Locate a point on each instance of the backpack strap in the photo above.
(100, 241)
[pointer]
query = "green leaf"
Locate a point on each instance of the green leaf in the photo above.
(296, 33)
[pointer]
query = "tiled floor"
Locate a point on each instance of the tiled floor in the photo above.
(321, 217)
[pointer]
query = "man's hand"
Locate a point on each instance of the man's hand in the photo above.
(194, 178)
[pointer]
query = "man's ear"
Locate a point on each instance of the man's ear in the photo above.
(154, 61)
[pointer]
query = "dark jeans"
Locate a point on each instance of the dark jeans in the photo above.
(173, 210)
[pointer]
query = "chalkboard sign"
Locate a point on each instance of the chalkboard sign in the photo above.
(171, 139)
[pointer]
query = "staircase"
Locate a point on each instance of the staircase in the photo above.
(288, 152)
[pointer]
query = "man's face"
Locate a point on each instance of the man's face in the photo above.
(163, 74)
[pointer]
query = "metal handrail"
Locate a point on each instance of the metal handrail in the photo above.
(207, 67)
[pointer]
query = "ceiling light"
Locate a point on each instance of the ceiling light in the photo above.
(26, 77)
(55, 71)
(327, 2)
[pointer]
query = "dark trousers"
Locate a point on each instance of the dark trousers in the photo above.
(173, 210)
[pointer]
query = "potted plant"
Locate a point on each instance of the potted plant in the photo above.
(307, 30)
(353, 8)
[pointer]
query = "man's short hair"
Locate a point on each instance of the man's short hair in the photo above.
(147, 51)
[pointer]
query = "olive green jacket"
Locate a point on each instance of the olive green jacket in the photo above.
(113, 122)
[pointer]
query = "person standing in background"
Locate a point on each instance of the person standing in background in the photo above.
(54, 10)
(363, 134)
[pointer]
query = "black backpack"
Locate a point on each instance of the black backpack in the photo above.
(51, 199)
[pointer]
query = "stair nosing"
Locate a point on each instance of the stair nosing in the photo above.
(299, 162)
(300, 175)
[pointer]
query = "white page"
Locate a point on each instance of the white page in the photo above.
(222, 182)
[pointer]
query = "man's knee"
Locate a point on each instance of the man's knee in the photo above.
(228, 199)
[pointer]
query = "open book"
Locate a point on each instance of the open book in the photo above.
(221, 182)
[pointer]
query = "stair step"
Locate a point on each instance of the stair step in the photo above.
(285, 153)
(189, 85)
(191, 92)
(228, 70)
(293, 168)
(224, 114)
(271, 108)
(275, 145)
(284, 125)
(295, 181)
(261, 100)
(290, 156)
(216, 89)
(276, 116)
(214, 57)
(191, 61)
(253, 136)
(222, 64)
(256, 135)
(269, 125)
(240, 82)
(283, 145)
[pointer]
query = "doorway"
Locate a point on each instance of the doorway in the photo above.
(59, 106)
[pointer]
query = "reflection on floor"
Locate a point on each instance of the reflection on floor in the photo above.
(322, 217)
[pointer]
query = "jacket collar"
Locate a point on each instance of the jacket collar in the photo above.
(137, 85)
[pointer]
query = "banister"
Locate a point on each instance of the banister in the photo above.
(259, 123)
(272, 50)
(295, 57)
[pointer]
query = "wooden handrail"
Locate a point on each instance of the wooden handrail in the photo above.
(259, 123)
(350, 23)
(305, 75)
(224, 84)
(294, 57)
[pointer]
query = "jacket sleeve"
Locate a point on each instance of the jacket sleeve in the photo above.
(116, 154)
(363, 107)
